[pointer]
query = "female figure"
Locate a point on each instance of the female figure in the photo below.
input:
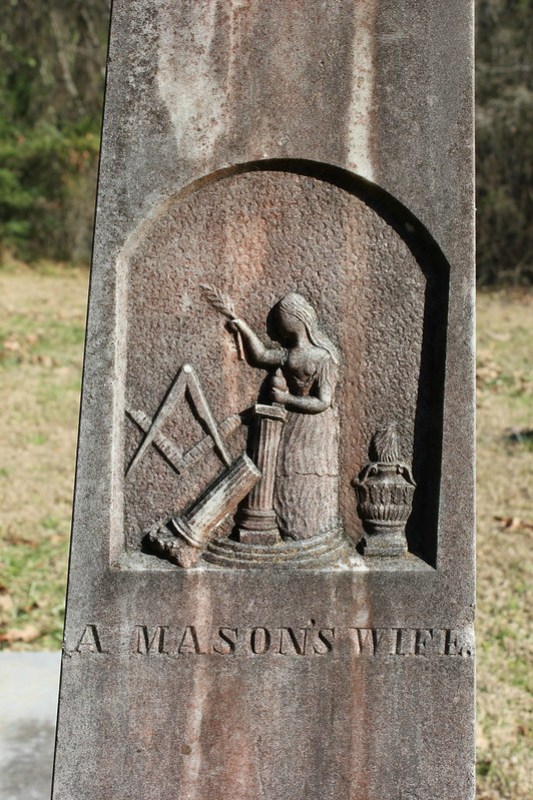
(304, 376)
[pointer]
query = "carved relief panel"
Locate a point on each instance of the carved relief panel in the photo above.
(282, 320)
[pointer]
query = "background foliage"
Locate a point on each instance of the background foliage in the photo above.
(52, 57)
(52, 65)
(505, 140)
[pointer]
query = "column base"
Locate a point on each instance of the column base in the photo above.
(259, 537)
(390, 544)
(255, 526)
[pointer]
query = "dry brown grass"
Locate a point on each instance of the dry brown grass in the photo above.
(505, 529)
(42, 317)
(41, 333)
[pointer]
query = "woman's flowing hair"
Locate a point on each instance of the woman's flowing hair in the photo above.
(293, 303)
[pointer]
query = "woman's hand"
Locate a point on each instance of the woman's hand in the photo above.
(279, 396)
(253, 349)
(279, 390)
(233, 325)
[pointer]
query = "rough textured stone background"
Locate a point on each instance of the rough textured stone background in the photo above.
(195, 91)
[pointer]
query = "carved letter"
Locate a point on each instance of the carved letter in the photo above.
(365, 640)
(90, 641)
(423, 638)
(229, 639)
(354, 638)
(324, 644)
(289, 635)
(149, 642)
(439, 641)
(457, 644)
(405, 642)
(189, 642)
(260, 641)
(382, 638)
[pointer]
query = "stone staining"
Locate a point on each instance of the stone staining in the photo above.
(223, 304)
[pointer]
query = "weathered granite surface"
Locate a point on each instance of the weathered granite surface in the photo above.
(282, 279)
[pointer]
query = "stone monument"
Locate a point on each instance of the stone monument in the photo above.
(271, 586)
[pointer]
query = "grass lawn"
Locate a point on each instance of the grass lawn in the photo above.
(505, 531)
(42, 315)
(42, 320)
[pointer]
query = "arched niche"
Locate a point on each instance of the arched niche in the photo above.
(378, 281)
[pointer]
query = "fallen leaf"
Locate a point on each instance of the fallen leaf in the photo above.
(500, 337)
(29, 608)
(27, 634)
(11, 345)
(514, 523)
(12, 538)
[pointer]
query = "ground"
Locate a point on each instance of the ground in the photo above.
(42, 316)
(42, 319)
(505, 530)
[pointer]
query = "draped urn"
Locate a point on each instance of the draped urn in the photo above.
(384, 489)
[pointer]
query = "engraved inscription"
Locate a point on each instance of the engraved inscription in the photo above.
(260, 640)
(228, 641)
(150, 640)
(189, 643)
(456, 646)
(89, 641)
(289, 641)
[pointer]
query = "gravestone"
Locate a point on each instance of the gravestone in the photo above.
(272, 580)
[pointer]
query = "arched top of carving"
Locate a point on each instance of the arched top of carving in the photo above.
(396, 214)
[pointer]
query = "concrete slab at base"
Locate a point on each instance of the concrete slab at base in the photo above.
(28, 710)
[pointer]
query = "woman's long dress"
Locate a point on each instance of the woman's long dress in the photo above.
(307, 474)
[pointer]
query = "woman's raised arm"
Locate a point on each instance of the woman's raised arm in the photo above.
(255, 351)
